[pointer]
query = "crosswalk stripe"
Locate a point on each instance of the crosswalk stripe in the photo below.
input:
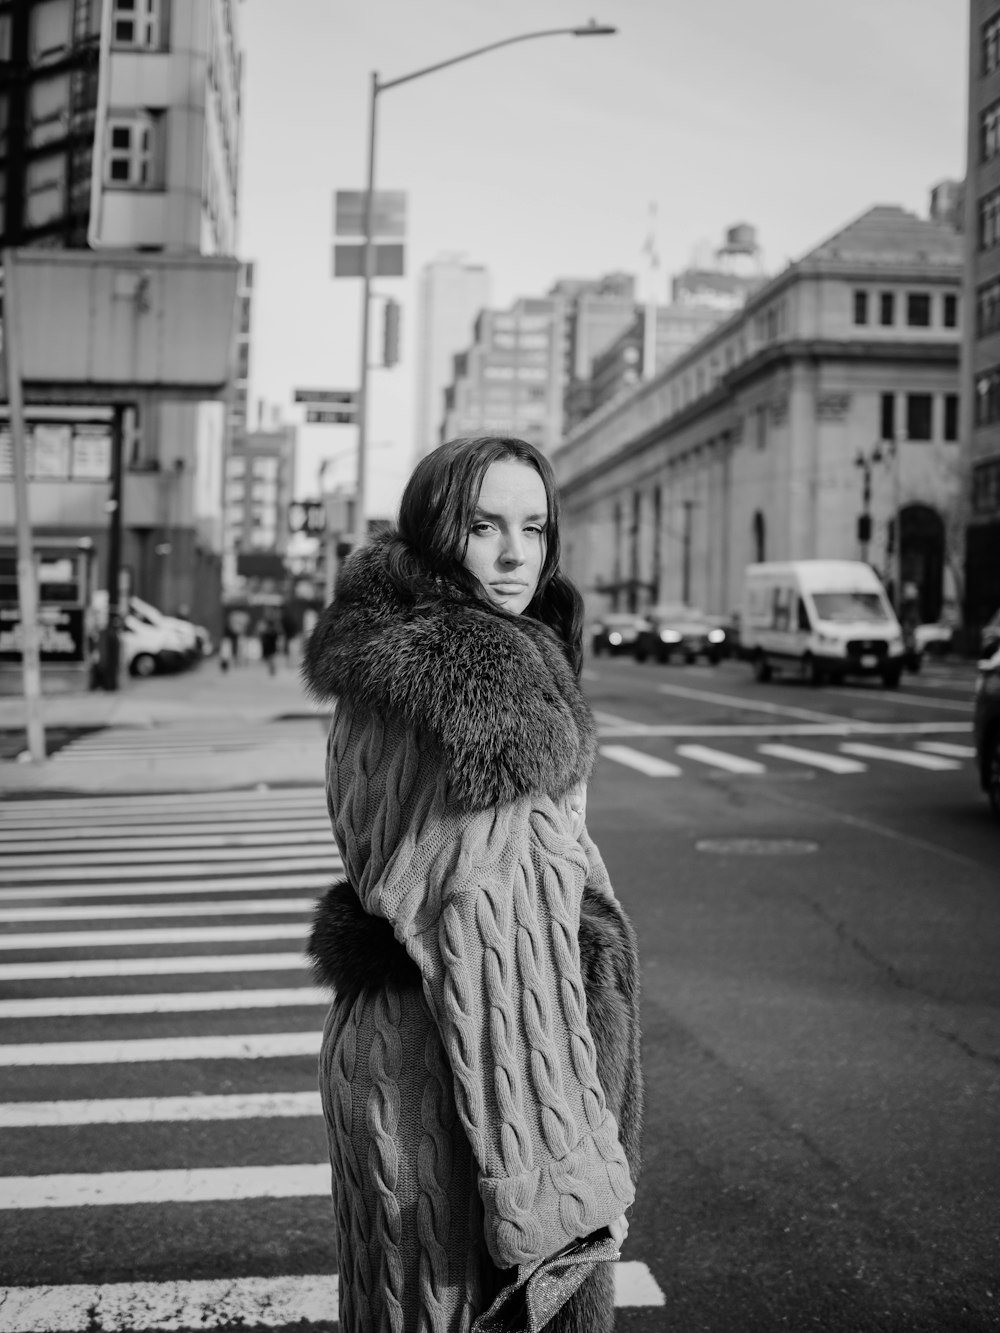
(207, 1304)
(169, 821)
(831, 762)
(316, 832)
(202, 964)
(172, 887)
(249, 797)
(145, 1050)
(732, 763)
(913, 758)
(206, 1184)
(131, 911)
(172, 1002)
(644, 763)
(159, 1110)
(39, 874)
(83, 939)
(948, 750)
(158, 855)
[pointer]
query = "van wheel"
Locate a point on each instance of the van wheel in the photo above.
(143, 664)
(761, 668)
(890, 677)
(813, 672)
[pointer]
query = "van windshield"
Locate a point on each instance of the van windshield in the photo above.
(850, 607)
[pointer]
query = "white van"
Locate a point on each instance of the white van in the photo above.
(822, 619)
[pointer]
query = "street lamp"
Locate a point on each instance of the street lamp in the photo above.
(591, 29)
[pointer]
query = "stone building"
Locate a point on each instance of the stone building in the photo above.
(830, 398)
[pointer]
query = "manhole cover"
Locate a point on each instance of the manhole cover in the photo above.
(757, 846)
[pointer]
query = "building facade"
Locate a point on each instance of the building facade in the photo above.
(832, 395)
(125, 133)
(259, 486)
(452, 292)
(981, 363)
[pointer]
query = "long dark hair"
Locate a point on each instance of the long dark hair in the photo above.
(435, 519)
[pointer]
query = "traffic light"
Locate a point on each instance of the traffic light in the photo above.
(390, 334)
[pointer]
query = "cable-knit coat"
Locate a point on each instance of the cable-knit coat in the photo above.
(480, 1060)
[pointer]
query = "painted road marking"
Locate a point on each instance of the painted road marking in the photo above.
(132, 911)
(645, 763)
(736, 730)
(732, 763)
(897, 697)
(833, 763)
(108, 822)
(244, 1302)
(85, 939)
(218, 1184)
(200, 963)
(147, 1110)
(948, 750)
(174, 1002)
(65, 842)
(256, 1046)
(38, 874)
(173, 887)
(271, 798)
(911, 757)
(158, 856)
(752, 705)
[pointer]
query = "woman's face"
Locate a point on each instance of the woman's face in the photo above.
(506, 544)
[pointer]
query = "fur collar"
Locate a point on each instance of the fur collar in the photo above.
(495, 692)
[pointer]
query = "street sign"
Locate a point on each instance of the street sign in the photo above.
(307, 516)
(344, 397)
(388, 213)
(319, 416)
(387, 262)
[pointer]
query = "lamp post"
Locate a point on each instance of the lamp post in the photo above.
(591, 29)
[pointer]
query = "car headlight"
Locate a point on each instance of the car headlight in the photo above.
(716, 635)
(614, 638)
(669, 636)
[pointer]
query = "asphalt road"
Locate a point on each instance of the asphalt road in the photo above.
(813, 877)
(821, 996)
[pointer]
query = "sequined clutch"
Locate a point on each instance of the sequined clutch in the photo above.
(537, 1292)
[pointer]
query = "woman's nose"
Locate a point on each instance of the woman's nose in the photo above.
(512, 552)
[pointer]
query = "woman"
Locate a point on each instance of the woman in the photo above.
(480, 1062)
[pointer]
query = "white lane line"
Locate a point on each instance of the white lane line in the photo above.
(731, 763)
(173, 887)
(172, 1002)
(39, 874)
(256, 1046)
(179, 1185)
(99, 839)
(614, 720)
(132, 911)
(167, 821)
(947, 749)
(896, 697)
(244, 1302)
(200, 964)
(157, 1110)
(645, 763)
(912, 758)
(269, 798)
(833, 763)
(93, 939)
(158, 855)
(751, 705)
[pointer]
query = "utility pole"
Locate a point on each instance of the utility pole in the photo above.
(27, 587)
(116, 613)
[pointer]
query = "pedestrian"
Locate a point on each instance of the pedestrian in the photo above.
(267, 633)
(479, 1068)
(289, 632)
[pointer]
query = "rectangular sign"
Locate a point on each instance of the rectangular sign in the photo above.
(348, 261)
(61, 633)
(388, 213)
(318, 416)
(79, 451)
(342, 397)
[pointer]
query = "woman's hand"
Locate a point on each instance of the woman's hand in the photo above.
(619, 1230)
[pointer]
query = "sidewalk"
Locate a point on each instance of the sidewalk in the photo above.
(242, 702)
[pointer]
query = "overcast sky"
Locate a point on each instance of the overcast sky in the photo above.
(541, 160)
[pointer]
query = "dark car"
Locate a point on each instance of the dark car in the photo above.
(616, 633)
(986, 727)
(681, 631)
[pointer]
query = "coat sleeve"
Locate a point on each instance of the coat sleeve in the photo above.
(487, 903)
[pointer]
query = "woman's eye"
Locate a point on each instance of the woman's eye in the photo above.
(480, 528)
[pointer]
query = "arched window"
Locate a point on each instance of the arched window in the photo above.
(759, 537)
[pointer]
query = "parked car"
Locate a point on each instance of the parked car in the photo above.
(986, 727)
(616, 633)
(147, 649)
(181, 635)
(681, 631)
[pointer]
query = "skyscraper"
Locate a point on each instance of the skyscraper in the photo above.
(452, 293)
